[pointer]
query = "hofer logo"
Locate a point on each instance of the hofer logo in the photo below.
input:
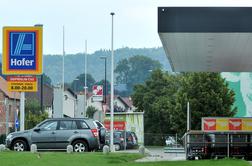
(22, 50)
(22, 44)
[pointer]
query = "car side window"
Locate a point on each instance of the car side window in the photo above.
(49, 125)
(67, 125)
(83, 125)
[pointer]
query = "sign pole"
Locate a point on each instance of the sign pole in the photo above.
(6, 116)
(15, 109)
(22, 111)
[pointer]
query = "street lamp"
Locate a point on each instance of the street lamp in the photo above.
(105, 74)
(112, 148)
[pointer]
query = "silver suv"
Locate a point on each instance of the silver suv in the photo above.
(55, 134)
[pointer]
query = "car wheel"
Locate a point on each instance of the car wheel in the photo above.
(19, 145)
(80, 146)
(117, 147)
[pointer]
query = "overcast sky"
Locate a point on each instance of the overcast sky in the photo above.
(135, 21)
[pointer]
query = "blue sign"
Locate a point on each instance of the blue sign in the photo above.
(16, 123)
(22, 50)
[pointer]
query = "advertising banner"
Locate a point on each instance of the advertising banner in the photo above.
(227, 124)
(118, 125)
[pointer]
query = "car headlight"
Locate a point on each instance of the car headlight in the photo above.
(9, 136)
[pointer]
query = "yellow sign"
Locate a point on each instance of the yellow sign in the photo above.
(22, 51)
(222, 124)
(247, 124)
(22, 84)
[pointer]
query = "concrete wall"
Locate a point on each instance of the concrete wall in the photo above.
(80, 113)
(57, 103)
(70, 104)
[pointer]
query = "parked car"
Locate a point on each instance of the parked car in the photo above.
(119, 140)
(170, 141)
(82, 133)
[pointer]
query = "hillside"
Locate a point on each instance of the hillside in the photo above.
(74, 63)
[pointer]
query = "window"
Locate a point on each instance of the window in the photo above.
(83, 125)
(49, 125)
(117, 135)
(67, 125)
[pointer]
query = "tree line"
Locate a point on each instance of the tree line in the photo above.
(164, 96)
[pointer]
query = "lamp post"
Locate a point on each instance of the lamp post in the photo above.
(105, 75)
(112, 148)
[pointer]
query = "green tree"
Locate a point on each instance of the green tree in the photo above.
(156, 99)
(208, 95)
(79, 83)
(33, 113)
(135, 70)
(163, 97)
(90, 111)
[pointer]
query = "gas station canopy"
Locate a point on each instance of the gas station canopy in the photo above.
(215, 39)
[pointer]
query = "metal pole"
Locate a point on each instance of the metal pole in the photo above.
(125, 138)
(22, 111)
(85, 82)
(186, 145)
(188, 129)
(188, 117)
(6, 116)
(228, 150)
(41, 93)
(105, 83)
(112, 148)
(63, 72)
(15, 109)
(176, 140)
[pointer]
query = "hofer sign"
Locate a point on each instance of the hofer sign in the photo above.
(22, 51)
(226, 124)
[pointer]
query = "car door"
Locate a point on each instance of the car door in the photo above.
(66, 131)
(45, 136)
